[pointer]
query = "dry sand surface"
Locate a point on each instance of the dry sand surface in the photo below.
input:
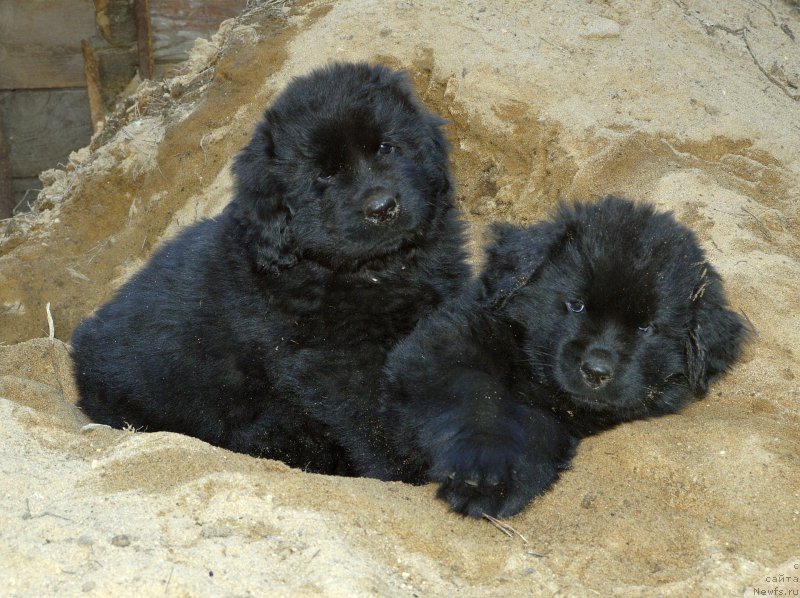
(691, 105)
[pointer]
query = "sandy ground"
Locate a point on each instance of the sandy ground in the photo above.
(691, 105)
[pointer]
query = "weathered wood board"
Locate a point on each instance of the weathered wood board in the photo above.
(40, 42)
(177, 23)
(6, 193)
(43, 127)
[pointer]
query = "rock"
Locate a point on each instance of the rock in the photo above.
(600, 28)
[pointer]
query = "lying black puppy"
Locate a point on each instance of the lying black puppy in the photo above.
(607, 313)
(265, 330)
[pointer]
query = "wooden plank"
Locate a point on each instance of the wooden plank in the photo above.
(44, 126)
(94, 88)
(177, 23)
(6, 191)
(116, 67)
(40, 42)
(111, 56)
(116, 21)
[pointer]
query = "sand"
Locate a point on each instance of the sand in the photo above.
(693, 106)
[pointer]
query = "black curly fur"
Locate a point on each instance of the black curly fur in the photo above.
(264, 330)
(609, 312)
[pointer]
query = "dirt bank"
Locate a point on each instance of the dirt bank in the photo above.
(690, 105)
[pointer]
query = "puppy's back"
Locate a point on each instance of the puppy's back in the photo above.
(131, 348)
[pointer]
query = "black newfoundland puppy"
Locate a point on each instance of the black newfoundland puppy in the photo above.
(265, 330)
(608, 313)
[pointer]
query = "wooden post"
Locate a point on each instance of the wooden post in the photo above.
(111, 56)
(144, 36)
(93, 87)
(6, 189)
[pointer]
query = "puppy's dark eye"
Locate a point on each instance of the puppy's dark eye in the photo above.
(647, 329)
(325, 178)
(575, 305)
(384, 149)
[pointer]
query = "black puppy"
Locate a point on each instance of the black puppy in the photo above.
(265, 330)
(607, 313)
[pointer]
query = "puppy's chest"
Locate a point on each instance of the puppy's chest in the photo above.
(364, 308)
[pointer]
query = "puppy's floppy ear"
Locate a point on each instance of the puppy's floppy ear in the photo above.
(515, 255)
(260, 208)
(715, 336)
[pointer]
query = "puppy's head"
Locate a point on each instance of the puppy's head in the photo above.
(346, 168)
(622, 313)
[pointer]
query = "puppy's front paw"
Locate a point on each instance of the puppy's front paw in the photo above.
(491, 475)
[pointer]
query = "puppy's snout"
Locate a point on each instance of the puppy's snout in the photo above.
(380, 206)
(597, 368)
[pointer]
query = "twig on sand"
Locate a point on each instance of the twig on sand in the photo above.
(752, 326)
(57, 371)
(97, 248)
(169, 579)
(91, 427)
(742, 32)
(51, 327)
(779, 84)
(761, 224)
(28, 515)
(202, 140)
(504, 527)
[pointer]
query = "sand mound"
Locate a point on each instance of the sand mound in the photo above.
(693, 107)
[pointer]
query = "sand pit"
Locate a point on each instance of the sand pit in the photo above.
(694, 106)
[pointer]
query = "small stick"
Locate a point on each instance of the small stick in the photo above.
(50, 324)
(761, 224)
(753, 326)
(764, 72)
(202, 140)
(91, 427)
(504, 527)
(29, 515)
(169, 579)
(498, 525)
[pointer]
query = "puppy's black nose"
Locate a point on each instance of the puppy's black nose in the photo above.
(597, 368)
(381, 207)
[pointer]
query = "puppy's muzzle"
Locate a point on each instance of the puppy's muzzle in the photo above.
(597, 368)
(381, 206)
